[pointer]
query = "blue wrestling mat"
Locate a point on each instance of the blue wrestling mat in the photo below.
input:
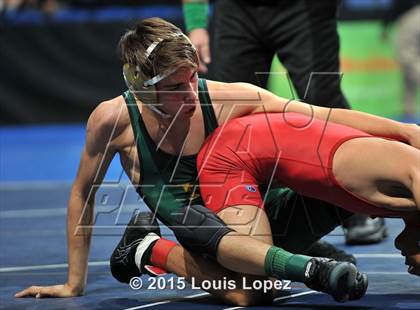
(37, 165)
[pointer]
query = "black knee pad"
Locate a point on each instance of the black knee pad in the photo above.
(198, 229)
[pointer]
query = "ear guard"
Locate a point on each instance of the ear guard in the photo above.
(144, 88)
(140, 84)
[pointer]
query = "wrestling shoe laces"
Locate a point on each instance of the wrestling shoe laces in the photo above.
(341, 280)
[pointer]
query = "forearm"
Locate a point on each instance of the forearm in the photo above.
(369, 123)
(266, 102)
(78, 240)
(372, 124)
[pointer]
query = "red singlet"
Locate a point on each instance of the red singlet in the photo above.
(281, 149)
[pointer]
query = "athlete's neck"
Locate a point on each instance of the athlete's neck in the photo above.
(168, 133)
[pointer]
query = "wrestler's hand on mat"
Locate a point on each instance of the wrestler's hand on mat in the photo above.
(408, 242)
(200, 39)
(62, 290)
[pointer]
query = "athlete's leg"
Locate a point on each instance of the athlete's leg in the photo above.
(238, 252)
(247, 221)
(237, 194)
(140, 246)
(384, 172)
(299, 233)
(186, 264)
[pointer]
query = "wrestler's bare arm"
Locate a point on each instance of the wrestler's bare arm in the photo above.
(239, 99)
(96, 156)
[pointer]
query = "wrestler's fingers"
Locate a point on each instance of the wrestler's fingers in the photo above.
(28, 292)
(205, 53)
(48, 291)
(202, 68)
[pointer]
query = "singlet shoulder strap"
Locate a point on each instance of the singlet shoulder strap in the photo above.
(134, 113)
(210, 120)
(144, 147)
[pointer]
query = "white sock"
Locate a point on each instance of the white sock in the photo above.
(143, 246)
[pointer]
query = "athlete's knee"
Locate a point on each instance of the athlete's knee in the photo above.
(199, 229)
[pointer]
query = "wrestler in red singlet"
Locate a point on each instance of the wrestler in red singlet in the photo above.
(254, 152)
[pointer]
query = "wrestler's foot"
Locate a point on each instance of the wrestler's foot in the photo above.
(322, 248)
(139, 237)
(361, 229)
(360, 287)
(341, 280)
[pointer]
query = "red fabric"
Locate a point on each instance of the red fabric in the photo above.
(155, 271)
(290, 149)
(160, 252)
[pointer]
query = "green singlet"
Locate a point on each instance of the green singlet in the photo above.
(167, 182)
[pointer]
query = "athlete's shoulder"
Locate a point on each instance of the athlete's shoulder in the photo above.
(107, 120)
